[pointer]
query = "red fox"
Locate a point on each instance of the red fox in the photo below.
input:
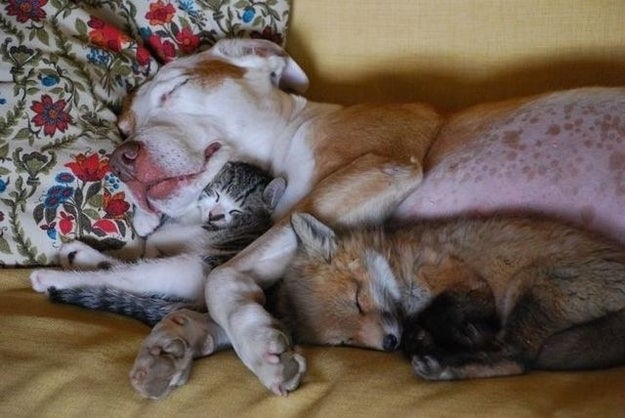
(471, 297)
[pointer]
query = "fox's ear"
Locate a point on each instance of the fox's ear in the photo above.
(274, 191)
(317, 239)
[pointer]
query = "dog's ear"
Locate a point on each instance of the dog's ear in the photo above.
(274, 191)
(316, 238)
(283, 70)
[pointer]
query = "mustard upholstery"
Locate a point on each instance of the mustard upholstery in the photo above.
(62, 361)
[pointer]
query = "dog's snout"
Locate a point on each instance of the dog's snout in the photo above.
(390, 342)
(123, 159)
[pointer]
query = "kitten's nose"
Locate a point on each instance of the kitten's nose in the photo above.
(390, 342)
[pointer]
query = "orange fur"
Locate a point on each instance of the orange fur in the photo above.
(540, 278)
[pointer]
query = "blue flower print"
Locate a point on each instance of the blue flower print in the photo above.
(112, 180)
(50, 80)
(248, 14)
(188, 6)
(145, 32)
(57, 195)
(98, 57)
(64, 177)
(50, 230)
(3, 185)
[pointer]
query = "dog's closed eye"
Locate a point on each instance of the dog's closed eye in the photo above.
(165, 96)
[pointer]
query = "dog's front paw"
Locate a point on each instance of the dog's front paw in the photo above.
(166, 356)
(76, 255)
(272, 359)
(159, 368)
(430, 368)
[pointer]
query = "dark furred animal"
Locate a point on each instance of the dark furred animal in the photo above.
(474, 297)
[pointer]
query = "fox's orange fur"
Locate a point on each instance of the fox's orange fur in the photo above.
(480, 297)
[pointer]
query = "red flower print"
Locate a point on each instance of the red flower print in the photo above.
(143, 56)
(187, 40)
(106, 36)
(51, 115)
(114, 205)
(90, 168)
(66, 224)
(106, 226)
(25, 10)
(160, 13)
(166, 51)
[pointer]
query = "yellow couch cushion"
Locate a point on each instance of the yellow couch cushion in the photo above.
(63, 361)
(455, 53)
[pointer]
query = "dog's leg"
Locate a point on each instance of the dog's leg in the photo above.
(166, 355)
(179, 276)
(367, 190)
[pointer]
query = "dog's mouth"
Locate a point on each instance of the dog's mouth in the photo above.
(147, 194)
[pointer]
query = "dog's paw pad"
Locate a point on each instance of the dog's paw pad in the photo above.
(278, 367)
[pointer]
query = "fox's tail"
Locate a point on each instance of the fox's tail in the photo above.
(147, 308)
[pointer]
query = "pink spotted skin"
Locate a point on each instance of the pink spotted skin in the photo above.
(560, 154)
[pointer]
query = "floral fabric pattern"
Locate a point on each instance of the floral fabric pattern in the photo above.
(65, 67)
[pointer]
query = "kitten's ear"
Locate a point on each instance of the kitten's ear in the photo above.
(316, 238)
(274, 191)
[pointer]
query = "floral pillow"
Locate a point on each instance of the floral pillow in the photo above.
(65, 67)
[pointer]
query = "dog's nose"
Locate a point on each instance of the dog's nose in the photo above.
(390, 342)
(123, 159)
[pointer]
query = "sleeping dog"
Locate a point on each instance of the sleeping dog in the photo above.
(560, 154)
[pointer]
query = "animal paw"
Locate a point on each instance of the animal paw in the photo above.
(144, 223)
(160, 368)
(430, 368)
(165, 358)
(41, 280)
(76, 255)
(273, 360)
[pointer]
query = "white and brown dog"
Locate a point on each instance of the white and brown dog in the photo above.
(561, 154)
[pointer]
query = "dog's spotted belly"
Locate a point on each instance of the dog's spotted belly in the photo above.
(562, 155)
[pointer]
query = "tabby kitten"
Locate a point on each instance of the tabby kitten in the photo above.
(232, 211)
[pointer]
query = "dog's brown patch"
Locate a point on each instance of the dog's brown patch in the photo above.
(127, 120)
(212, 73)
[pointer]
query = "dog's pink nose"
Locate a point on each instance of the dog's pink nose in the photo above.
(123, 159)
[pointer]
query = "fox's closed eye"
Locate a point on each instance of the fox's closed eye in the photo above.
(358, 305)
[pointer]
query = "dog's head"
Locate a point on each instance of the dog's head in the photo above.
(338, 290)
(197, 113)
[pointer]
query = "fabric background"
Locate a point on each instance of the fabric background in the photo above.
(65, 67)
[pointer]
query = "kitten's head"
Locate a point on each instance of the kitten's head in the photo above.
(239, 190)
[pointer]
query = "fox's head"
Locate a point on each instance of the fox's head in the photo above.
(339, 290)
